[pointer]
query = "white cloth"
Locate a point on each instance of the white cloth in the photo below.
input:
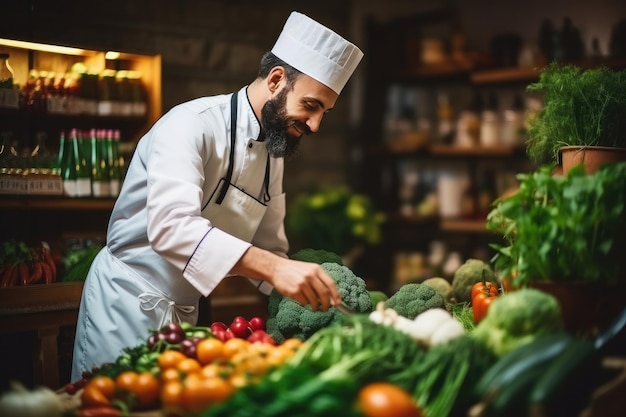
(161, 253)
(317, 51)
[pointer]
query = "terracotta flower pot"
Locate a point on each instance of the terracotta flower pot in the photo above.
(592, 157)
(586, 308)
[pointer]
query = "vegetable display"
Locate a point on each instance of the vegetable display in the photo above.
(22, 264)
(378, 362)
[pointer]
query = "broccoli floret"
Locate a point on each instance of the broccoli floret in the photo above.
(318, 256)
(516, 318)
(414, 298)
(289, 319)
(468, 274)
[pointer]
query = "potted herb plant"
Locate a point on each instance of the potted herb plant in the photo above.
(583, 115)
(566, 234)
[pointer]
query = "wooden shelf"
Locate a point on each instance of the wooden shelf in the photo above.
(472, 226)
(58, 203)
(505, 75)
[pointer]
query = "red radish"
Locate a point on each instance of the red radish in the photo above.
(257, 323)
(261, 336)
(218, 325)
(241, 329)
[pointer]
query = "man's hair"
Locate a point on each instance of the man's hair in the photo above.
(269, 61)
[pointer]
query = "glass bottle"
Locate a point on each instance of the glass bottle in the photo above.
(67, 165)
(115, 169)
(83, 174)
(6, 72)
(100, 186)
(490, 123)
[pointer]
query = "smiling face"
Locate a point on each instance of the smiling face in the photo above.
(294, 112)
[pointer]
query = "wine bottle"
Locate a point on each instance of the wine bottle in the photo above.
(115, 177)
(100, 186)
(67, 165)
(83, 174)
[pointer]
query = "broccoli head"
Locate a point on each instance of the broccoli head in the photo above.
(413, 299)
(516, 318)
(289, 319)
(468, 274)
(318, 256)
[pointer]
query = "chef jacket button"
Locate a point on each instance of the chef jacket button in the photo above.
(250, 145)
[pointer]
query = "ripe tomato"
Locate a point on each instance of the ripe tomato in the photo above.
(147, 390)
(235, 345)
(196, 394)
(170, 358)
(139, 389)
(100, 390)
(126, 380)
(484, 286)
(209, 350)
(383, 399)
(172, 397)
(480, 305)
(188, 366)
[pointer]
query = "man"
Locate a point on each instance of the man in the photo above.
(203, 200)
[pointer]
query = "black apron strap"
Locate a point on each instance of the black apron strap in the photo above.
(231, 159)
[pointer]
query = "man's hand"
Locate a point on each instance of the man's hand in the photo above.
(304, 282)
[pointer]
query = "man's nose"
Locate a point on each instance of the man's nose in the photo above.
(314, 122)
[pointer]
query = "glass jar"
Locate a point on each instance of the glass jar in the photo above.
(6, 72)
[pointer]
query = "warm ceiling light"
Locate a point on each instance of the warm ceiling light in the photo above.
(112, 55)
(44, 47)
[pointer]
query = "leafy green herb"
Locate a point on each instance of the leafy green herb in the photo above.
(563, 227)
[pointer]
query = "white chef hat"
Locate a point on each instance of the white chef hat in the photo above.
(317, 51)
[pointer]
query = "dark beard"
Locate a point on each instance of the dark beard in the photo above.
(275, 122)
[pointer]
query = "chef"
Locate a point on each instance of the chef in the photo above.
(203, 199)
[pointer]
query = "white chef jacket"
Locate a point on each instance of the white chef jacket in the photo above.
(161, 254)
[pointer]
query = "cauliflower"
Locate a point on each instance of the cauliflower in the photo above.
(288, 318)
(442, 285)
(468, 274)
(413, 299)
(318, 256)
(516, 318)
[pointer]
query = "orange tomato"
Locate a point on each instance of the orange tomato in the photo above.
(126, 380)
(172, 397)
(234, 346)
(170, 358)
(188, 366)
(141, 390)
(170, 374)
(383, 399)
(99, 391)
(209, 350)
(292, 343)
(147, 390)
(220, 388)
(196, 394)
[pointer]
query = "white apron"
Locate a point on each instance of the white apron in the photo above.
(135, 305)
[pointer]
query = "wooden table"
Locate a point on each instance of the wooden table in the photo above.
(43, 309)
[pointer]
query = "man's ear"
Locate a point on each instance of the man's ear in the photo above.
(275, 78)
